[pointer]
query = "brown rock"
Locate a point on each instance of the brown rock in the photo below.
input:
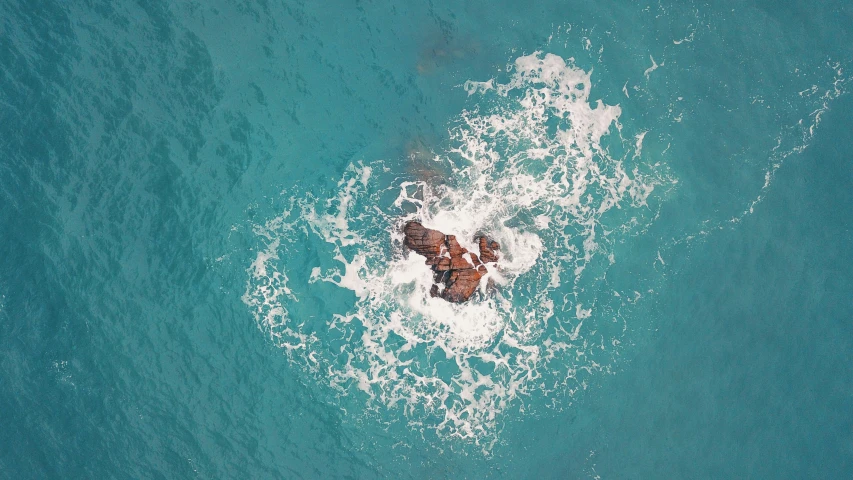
(461, 285)
(441, 264)
(456, 269)
(454, 248)
(487, 250)
(459, 263)
(425, 241)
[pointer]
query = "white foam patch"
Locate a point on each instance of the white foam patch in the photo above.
(530, 168)
(651, 69)
(269, 294)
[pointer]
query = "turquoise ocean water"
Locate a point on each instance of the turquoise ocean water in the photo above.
(201, 273)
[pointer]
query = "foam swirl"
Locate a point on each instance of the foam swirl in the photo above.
(531, 166)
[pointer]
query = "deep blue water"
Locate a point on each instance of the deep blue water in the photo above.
(200, 269)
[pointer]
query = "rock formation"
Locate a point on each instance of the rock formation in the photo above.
(457, 271)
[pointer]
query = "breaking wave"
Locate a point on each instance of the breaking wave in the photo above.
(535, 164)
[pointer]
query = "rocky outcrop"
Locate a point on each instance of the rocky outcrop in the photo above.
(487, 250)
(457, 272)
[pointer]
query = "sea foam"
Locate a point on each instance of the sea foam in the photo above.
(528, 166)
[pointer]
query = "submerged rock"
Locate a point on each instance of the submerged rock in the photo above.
(457, 272)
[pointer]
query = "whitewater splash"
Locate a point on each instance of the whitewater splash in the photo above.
(534, 166)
